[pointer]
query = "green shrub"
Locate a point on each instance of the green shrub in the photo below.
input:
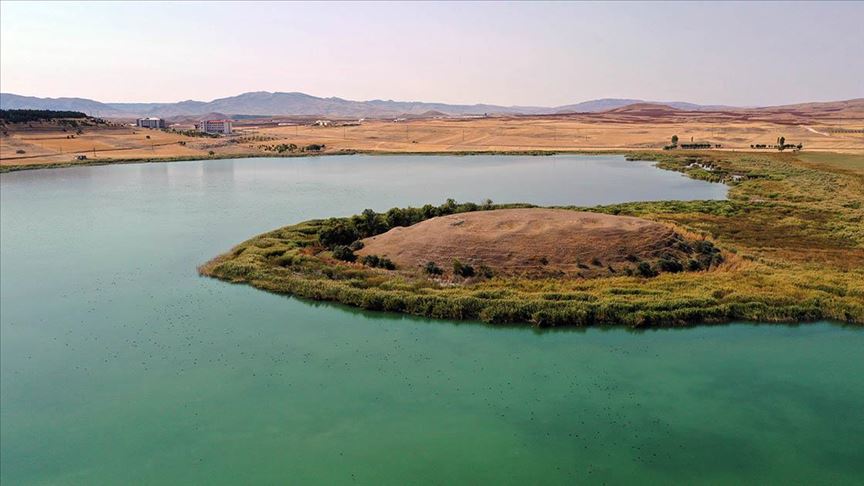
(645, 270)
(376, 261)
(462, 269)
(341, 252)
(369, 223)
(337, 232)
(670, 265)
(432, 268)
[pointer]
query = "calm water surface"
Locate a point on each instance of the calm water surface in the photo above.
(120, 365)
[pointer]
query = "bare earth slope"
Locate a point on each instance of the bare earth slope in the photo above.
(528, 242)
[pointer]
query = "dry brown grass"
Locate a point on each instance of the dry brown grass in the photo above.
(542, 133)
(529, 241)
(53, 145)
(614, 131)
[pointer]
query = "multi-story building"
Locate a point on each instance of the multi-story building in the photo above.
(151, 122)
(215, 126)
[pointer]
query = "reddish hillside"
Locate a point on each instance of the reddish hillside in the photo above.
(530, 242)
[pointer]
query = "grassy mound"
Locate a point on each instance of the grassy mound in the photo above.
(536, 243)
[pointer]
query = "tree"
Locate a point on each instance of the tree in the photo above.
(782, 141)
(429, 211)
(337, 232)
(674, 140)
(397, 217)
(369, 223)
(449, 206)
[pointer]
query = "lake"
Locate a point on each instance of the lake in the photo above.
(120, 365)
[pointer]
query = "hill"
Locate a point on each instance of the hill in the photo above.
(265, 103)
(300, 104)
(10, 101)
(607, 104)
(645, 109)
(526, 242)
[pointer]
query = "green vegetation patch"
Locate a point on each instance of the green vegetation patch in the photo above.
(788, 246)
(24, 116)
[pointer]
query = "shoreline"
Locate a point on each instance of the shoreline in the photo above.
(459, 153)
(157, 160)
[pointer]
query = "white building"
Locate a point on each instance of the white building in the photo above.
(151, 122)
(215, 126)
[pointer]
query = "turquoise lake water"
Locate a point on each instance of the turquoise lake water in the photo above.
(119, 365)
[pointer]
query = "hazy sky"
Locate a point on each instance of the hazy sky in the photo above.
(503, 53)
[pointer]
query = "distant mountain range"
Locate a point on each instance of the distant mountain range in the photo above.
(264, 103)
(300, 104)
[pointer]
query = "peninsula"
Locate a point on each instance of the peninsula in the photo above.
(787, 246)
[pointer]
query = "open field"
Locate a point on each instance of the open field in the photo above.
(633, 128)
(791, 233)
(564, 133)
(48, 145)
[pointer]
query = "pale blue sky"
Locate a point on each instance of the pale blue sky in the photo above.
(503, 53)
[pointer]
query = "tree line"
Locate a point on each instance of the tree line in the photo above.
(342, 235)
(24, 116)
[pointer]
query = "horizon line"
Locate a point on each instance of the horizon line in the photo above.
(636, 100)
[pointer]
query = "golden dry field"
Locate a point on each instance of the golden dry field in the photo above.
(541, 133)
(639, 127)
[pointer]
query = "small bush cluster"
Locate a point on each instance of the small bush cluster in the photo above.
(280, 148)
(431, 268)
(463, 269)
(376, 261)
(644, 270)
(344, 253)
(191, 133)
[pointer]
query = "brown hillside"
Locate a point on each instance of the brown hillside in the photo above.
(645, 109)
(530, 242)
